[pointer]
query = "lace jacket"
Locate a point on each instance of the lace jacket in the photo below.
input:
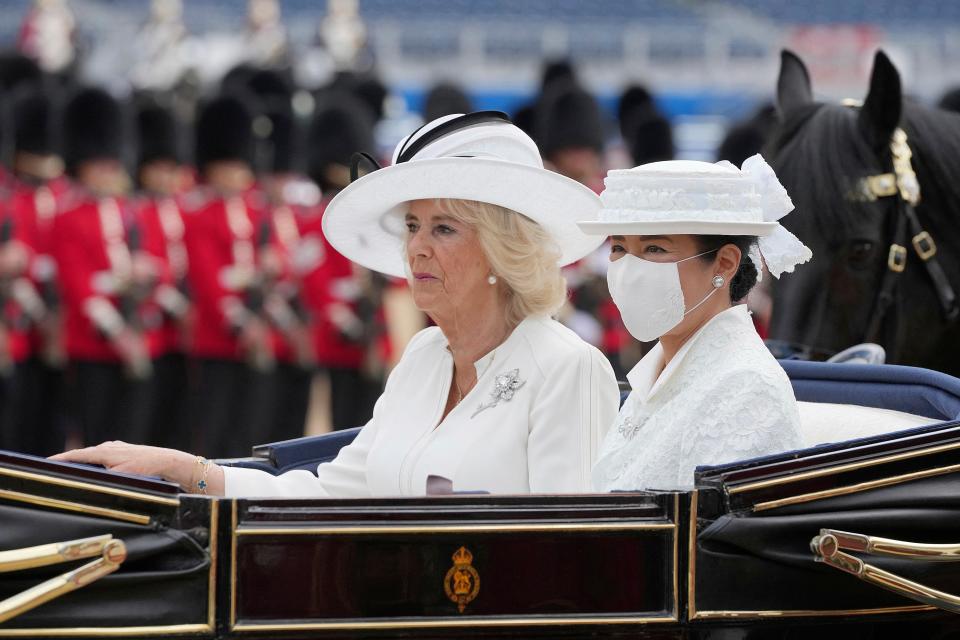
(722, 398)
(533, 423)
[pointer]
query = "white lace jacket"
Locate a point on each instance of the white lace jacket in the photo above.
(722, 398)
(532, 424)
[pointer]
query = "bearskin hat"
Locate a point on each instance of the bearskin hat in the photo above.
(159, 135)
(950, 100)
(645, 130)
(224, 131)
(275, 123)
(237, 79)
(444, 99)
(635, 98)
(741, 141)
(559, 71)
(280, 142)
(567, 118)
(267, 83)
(93, 128)
(366, 88)
(341, 126)
(16, 69)
(35, 120)
(747, 138)
(651, 138)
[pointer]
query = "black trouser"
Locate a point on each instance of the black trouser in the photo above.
(230, 408)
(106, 404)
(169, 421)
(352, 396)
(291, 397)
(33, 410)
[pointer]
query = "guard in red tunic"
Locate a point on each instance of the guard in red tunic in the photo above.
(344, 318)
(164, 249)
(288, 193)
(109, 361)
(229, 341)
(33, 415)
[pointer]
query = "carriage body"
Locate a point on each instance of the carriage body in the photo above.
(731, 555)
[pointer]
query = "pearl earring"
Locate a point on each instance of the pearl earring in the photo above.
(491, 279)
(718, 281)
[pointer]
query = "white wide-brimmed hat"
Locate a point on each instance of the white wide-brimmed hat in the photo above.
(700, 198)
(480, 156)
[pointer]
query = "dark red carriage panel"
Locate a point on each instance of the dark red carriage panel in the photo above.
(505, 562)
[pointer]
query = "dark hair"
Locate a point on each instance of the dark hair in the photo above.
(746, 276)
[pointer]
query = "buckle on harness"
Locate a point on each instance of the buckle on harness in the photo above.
(897, 258)
(880, 186)
(925, 246)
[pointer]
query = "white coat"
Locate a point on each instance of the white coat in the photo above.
(722, 398)
(533, 423)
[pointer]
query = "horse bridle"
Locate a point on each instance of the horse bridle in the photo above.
(903, 185)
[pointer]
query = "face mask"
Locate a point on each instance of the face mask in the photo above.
(648, 295)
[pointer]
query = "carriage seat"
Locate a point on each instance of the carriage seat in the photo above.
(823, 422)
(298, 453)
(837, 402)
(848, 401)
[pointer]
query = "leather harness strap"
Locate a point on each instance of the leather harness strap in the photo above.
(896, 263)
(903, 183)
(926, 249)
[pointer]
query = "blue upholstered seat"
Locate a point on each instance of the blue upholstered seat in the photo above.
(299, 453)
(907, 389)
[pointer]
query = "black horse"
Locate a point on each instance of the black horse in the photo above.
(886, 243)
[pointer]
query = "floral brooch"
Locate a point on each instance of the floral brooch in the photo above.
(504, 386)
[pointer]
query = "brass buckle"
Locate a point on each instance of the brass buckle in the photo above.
(881, 185)
(925, 246)
(897, 258)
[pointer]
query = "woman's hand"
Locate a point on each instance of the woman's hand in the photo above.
(176, 466)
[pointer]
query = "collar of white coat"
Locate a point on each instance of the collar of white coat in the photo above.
(644, 379)
(486, 360)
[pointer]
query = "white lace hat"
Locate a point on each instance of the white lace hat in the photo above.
(700, 198)
(479, 156)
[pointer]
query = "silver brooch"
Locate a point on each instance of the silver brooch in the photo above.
(504, 386)
(628, 428)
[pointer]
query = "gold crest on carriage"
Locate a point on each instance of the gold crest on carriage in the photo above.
(462, 582)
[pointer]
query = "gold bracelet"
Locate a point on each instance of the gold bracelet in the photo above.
(204, 469)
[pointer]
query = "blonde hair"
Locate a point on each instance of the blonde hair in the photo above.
(521, 253)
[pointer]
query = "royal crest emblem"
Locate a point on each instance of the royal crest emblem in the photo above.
(462, 582)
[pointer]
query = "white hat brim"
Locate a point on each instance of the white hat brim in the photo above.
(364, 222)
(667, 227)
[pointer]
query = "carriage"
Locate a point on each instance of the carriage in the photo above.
(860, 534)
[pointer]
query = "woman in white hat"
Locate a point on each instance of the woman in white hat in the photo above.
(686, 244)
(498, 396)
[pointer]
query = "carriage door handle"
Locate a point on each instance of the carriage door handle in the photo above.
(112, 554)
(827, 548)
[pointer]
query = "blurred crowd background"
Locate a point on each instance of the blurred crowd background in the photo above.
(163, 274)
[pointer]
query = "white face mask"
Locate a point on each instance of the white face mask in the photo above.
(648, 295)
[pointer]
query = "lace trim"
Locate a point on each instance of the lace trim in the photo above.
(667, 202)
(728, 400)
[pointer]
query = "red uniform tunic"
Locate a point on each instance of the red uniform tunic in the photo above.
(91, 253)
(17, 342)
(328, 281)
(284, 239)
(32, 209)
(221, 252)
(163, 238)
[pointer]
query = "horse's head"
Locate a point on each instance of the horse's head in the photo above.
(837, 163)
